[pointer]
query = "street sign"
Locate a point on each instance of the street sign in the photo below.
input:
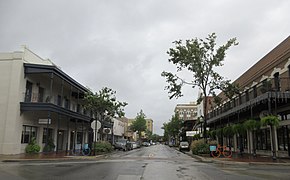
(191, 133)
(44, 121)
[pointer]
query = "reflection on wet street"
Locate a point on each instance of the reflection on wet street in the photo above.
(154, 162)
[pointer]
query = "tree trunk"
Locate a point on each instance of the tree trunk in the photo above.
(205, 117)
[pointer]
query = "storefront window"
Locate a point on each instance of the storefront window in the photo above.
(45, 133)
(28, 132)
(268, 140)
(263, 141)
(282, 138)
(79, 137)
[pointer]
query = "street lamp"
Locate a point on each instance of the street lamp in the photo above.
(201, 121)
(112, 131)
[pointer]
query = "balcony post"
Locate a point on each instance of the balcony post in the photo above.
(61, 98)
(51, 85)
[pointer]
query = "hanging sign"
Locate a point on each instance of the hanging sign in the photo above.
(44, 121)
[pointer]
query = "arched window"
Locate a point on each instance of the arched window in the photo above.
(277, 81)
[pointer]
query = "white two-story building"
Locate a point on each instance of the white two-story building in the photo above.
(39, 100)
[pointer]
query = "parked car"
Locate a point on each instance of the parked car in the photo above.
(134, 145)
(138, 143)
(146, 144)
(130, 145)
(183, 145)
(122, 144)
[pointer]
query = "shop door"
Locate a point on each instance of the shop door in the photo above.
(60, 137)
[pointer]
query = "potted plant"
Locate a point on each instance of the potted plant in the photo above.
(239, 130)
(32, 146)
(272, 121)
(49, 146)
(252, 125)
(228, 133)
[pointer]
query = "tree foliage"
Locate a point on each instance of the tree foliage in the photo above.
(32, 146)
(212, 134)
(173, 127)
(228, 131)
(239, 129)
(104, 102)
(252, 124)
(201, 58)
(270, 120)
(139, 124)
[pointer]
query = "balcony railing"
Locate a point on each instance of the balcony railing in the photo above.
(279, 87)
(64, 103)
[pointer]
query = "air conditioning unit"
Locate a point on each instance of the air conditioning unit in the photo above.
(107, 130)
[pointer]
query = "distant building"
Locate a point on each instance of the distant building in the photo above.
(149, 127)
(188, 114)
(200, 114)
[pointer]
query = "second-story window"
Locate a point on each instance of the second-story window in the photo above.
(28, 93)
(59, 100)
(277, 81)
(66, 103)
(247, 95)
(78, 108)
(40, 94)
(240, 99)
(255, 91)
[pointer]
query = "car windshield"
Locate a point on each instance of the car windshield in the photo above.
(122, 140)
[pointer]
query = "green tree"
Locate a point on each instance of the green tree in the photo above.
(165, 132)
(240, 130)
(104, 104)
(201, 58)
(172, 128)
(272, 121)
(139, 125)
(230, 89)
(228, 132)
(155, 137)
(148, 134)
(252, 125)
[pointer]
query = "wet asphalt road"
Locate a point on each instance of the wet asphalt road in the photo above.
(156, 162)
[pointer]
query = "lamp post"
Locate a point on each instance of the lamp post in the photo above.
(112, 131)
(201, 121)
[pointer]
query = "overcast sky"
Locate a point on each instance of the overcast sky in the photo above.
(122, 44)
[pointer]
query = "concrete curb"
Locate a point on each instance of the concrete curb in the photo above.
(230, 162)
(227, 162)
(65, 158)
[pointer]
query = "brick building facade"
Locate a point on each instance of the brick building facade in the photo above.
(264, 89)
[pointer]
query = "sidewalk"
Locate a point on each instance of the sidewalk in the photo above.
(245, 159)
(62, 156)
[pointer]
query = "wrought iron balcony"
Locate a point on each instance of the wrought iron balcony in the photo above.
(265, 90)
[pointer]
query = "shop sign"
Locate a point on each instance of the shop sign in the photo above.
(44, 121)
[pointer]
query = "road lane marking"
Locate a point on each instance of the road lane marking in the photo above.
(151, 155)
